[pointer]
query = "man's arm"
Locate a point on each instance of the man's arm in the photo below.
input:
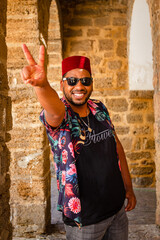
(126, 177)
(34, 74)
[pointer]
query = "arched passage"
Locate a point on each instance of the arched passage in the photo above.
(140, 48)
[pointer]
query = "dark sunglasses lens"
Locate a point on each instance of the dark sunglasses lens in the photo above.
(72, 81)
(86, 81)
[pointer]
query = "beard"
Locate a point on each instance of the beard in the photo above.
(76, 102)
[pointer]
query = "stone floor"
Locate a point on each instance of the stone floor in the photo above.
(141, 220)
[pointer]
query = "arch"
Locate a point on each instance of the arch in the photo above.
(140, 48)
(54, 51)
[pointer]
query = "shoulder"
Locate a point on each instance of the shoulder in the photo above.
(97, 104)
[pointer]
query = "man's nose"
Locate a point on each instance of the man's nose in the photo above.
(79, 85)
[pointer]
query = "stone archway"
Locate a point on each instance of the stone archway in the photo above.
(154, 9)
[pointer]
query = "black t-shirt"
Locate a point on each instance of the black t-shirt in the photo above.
(101, 187)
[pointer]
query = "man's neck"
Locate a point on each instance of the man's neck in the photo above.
(82, 110)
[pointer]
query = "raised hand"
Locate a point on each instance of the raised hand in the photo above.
(34, 73)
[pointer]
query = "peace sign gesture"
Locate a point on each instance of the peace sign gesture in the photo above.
(34, 73)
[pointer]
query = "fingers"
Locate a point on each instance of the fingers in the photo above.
(131, 202)
(41, 56)
(28, 55)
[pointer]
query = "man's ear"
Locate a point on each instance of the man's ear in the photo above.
(61, 85)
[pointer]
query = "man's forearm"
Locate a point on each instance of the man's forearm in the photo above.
(50, 101)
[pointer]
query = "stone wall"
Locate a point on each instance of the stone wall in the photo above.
(5, 125)
(29, 150)
(155, 24)
(100, 30)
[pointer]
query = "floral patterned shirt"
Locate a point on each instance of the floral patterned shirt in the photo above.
(66, 142)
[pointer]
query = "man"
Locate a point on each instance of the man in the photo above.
(93, 179)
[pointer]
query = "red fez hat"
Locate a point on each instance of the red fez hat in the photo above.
(73, 62)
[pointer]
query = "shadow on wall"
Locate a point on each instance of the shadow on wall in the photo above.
(5, 126)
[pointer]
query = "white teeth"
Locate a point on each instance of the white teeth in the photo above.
(78, 94)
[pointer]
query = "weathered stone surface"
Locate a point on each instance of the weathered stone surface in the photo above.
(102, 21)
(142, 130)
(122, 49)
(119, 21)
(117, 105)
(96, 29)
(81, 22)
(138, 155)
(106, 45)
(142, 170)
(122, 80)
(139, 106)
(122, 130)
(93, 32)
(141, 94)
(84, 45)
(134, 118)
(115, 65)
(142, 181)
(72, 32)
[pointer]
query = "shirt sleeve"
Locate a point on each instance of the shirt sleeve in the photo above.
(48, 126)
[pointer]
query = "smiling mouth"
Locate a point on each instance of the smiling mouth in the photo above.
(78, 95)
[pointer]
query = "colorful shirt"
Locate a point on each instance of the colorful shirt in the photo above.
(66, 142)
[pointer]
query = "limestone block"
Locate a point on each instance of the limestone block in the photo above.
(150, 117)
(122, 80)
(22, 7)
(29, 190)
(126, 143)
(138, 155)
(80, 21)
(142, 181)
(141, 94)
(106, 45)
(122, 49)
(116, 118)
(142, 170)
(115, 65)
(54, 75)
(22, 37)
(93, 32)
(117, 104)
(119, 21)
(30, 164)
(139, 106)
(69, 32)
(30, 24)
(102, 21)
(53, 59)
(122, 130)
(84, 45)
(148, 143)
(134, 118)
(54, 35)
(106, 82)
(54, 46)
(29, 219)
(88, 11)
(143, 130)
(17, 58)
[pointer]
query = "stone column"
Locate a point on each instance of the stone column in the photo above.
(29, 150)
(155, 8)
(5, 125)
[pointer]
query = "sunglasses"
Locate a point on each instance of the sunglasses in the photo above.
(72, 81)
